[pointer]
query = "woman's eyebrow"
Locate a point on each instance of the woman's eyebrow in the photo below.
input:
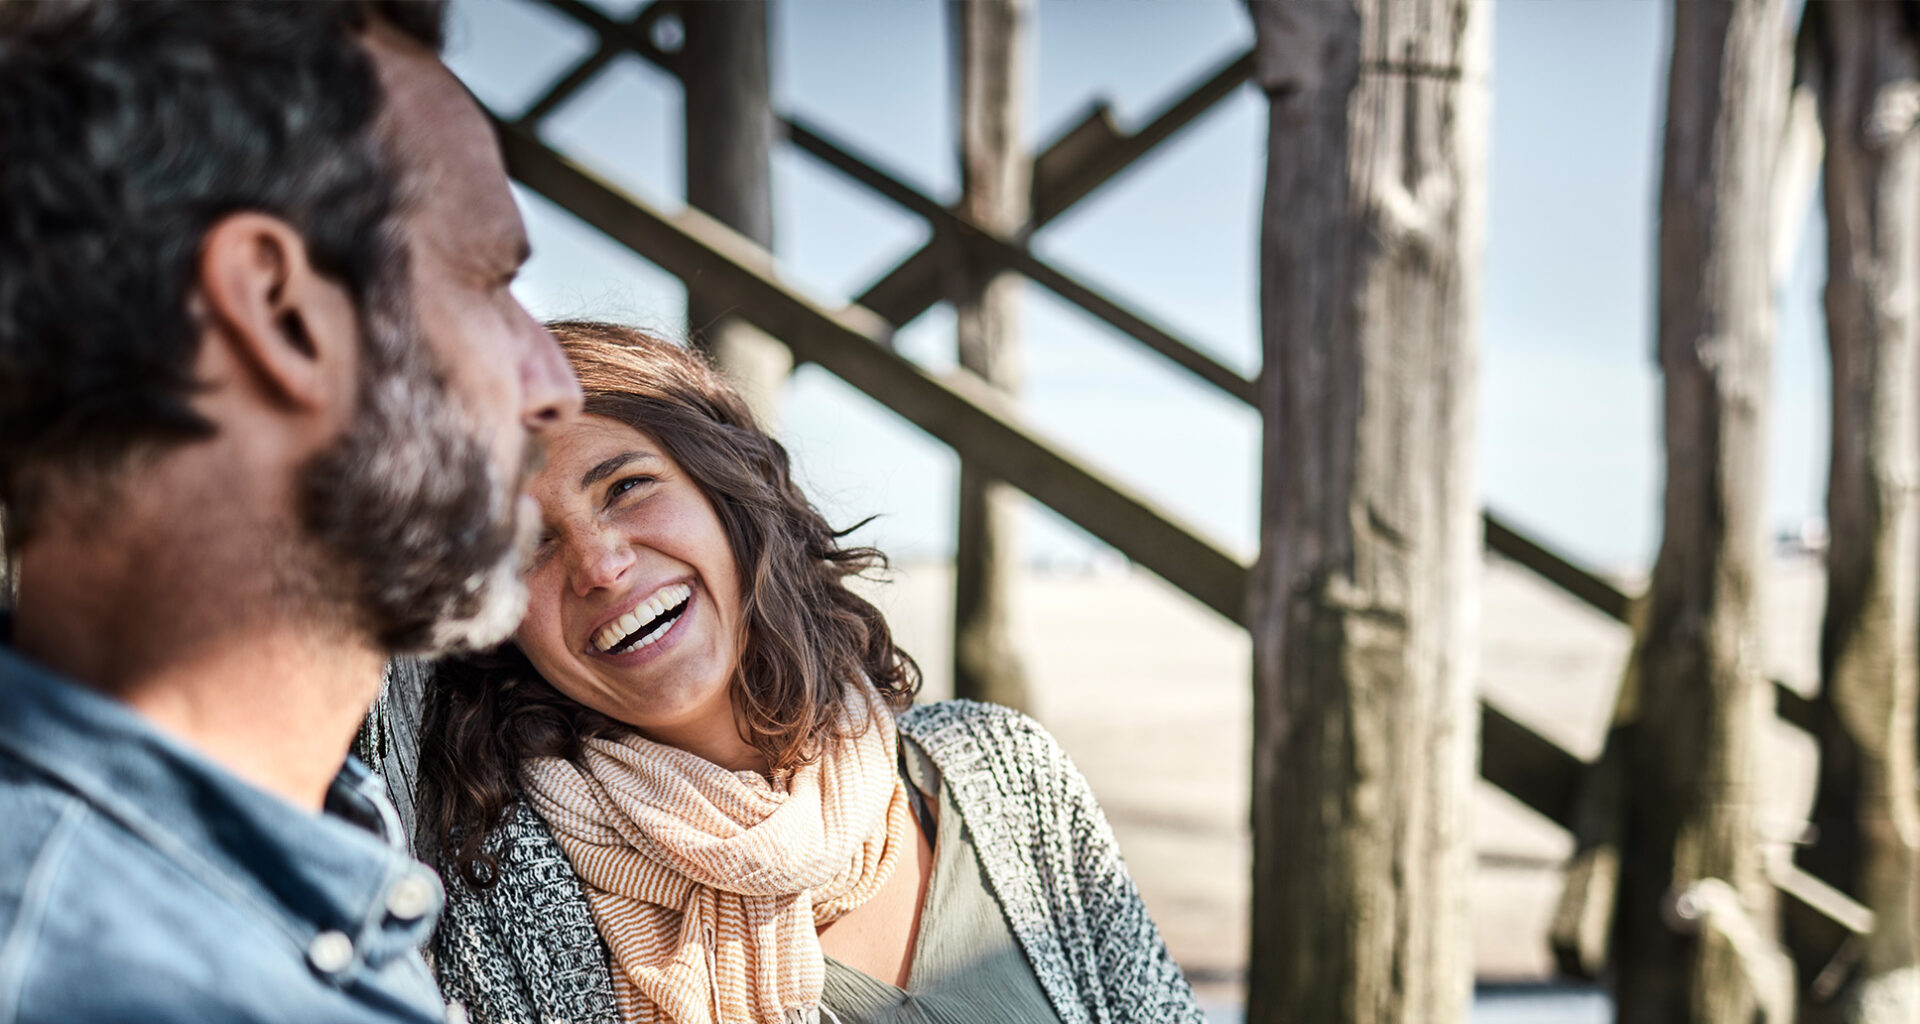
(608, 467)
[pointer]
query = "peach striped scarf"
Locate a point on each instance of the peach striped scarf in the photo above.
(708, 885)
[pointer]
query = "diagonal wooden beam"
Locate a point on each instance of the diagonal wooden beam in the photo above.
(1056, 193)
(634, 34)
(1081, 160)
(563, 89)
(1530, 768)
(1020, 259)
(954, 407)
(1590, 589)
(1583, 585)
(636, 30)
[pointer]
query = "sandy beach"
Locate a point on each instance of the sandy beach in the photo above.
(1148, 691)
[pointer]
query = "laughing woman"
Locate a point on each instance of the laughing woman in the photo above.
(690, 789)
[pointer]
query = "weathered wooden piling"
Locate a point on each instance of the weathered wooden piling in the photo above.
(730, 129)
(1695, 927)
(1863, 60)
(996, 174)
(1363, 602)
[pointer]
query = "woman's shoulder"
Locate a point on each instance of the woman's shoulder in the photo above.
(951, 720)
(969, 737)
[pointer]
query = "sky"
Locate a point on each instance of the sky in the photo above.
(1568, 431)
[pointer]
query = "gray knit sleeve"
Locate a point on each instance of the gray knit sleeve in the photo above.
(470, 960)
(1128, 956)
(526, 949)
(1055, 866)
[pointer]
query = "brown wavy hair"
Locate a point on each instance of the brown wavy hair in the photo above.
(807, 635)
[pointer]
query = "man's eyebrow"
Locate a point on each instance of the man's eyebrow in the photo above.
(608, 467)
(522, 252)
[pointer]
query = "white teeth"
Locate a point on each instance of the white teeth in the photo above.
(614, 632)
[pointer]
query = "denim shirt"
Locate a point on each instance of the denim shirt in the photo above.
(141, 882)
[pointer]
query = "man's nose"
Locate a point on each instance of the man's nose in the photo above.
(552, 392)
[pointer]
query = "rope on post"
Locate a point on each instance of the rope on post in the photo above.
(1712, 906)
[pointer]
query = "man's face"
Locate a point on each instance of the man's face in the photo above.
(424, 493)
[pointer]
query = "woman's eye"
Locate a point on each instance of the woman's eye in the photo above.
(623, 486)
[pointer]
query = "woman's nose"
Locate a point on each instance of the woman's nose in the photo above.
(597, 559)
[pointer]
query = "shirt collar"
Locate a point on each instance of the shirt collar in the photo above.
(342, 871)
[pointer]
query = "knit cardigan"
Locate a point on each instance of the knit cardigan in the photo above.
(526, 949)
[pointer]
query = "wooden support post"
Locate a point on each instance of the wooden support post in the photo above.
(389, 743)
(1864, 61)
(730, 132)
(1364, 600)
(995, 186)
(1694, 931)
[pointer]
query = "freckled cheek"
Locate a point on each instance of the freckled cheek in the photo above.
(542, 618)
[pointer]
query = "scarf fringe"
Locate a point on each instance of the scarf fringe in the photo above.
(810, 1014)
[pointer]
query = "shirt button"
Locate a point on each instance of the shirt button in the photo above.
(410, 898)
(330, 952)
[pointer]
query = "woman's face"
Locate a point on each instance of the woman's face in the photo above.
(634, 598)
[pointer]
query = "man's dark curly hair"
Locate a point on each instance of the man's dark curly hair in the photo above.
(807, 635)
(128, 129)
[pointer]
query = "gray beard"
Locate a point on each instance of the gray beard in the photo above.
(421, 536)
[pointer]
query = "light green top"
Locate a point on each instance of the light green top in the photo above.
(967, 967)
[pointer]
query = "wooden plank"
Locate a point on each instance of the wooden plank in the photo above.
(1078, 146)
(1094, 166)
(954, 407)
(1529, 768)
(1073, 167)
(1585, 586)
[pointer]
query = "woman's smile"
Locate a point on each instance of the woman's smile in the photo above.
(639, 627)
(650, 631)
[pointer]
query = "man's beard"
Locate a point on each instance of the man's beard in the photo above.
(424, 534)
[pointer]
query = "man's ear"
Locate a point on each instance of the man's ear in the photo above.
(291, 327)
